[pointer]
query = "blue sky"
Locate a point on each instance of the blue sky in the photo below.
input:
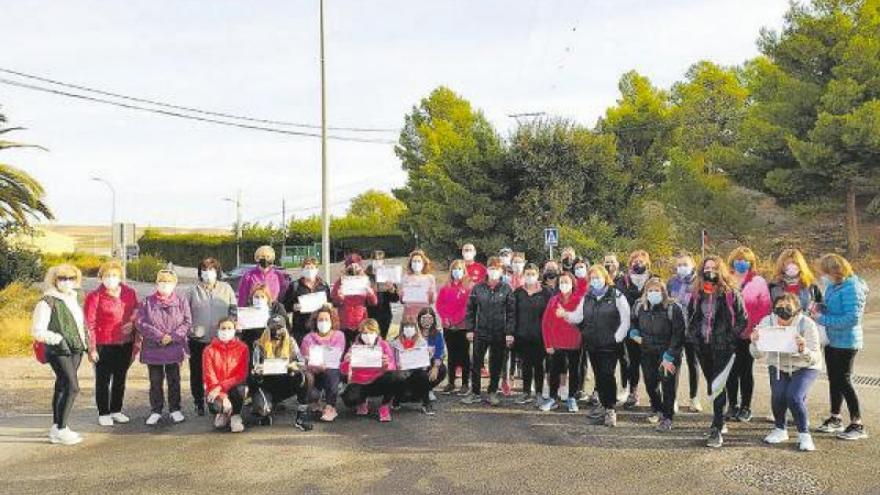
(260, 59)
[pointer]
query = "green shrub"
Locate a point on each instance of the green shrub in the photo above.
(145, 268)
(19, 264)
(17, 302)
(87, 263)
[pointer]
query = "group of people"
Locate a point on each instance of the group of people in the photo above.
(550, 325)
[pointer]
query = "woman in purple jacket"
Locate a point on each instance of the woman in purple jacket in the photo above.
(163, 322)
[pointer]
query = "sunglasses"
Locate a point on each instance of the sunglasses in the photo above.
(65, 279)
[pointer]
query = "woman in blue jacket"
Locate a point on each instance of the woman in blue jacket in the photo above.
(841, 315)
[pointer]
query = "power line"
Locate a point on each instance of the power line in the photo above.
(191, 117)
(191, 109)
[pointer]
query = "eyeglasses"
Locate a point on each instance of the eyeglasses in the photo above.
(65, 279)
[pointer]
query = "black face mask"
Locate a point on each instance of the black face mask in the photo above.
(274, 333)
(263, 263)
(783, 313)
(609, 268)
(710, 277)
(639, 269)
(551, 275)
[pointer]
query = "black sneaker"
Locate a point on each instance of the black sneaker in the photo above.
(831, 425)
(744, 415)
(853, 432)
(302, 421)
(715, 440)
(731, 414)
(200, 408)
(428, 409)
(395, 405)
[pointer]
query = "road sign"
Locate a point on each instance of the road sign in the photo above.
(551, 237)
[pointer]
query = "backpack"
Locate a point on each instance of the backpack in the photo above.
(39, 348)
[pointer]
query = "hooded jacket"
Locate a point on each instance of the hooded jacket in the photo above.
(224, 365)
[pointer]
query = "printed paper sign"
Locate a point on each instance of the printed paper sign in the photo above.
(777, 339)
(365, 356)
(251, 317)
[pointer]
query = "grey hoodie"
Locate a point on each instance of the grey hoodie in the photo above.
(208, 307)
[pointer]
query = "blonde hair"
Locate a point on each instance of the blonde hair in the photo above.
(642, 255)
(369, 325)
(806, 274)
(494, 261)
(279, 349)
(62, 270)
(835, 266)
(108, 266)
(428, 268)
(743, 253)
(261, 289)
(653, 283)
(166, 276)
(602, 272)
(456, 263)
(266, 251)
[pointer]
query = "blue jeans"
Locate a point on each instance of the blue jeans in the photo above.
(789, 392)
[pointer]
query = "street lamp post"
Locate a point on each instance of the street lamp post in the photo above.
(325, 214)
(237, 202)
(114, 248)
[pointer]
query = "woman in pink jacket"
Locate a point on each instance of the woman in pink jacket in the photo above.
(452, 310)
(364, 383)
(562, 340)
(756, 298)
(352, 308)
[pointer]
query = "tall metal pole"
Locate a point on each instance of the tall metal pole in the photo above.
(238, 228)
(283, 229)
(114, 247)
(325, 214)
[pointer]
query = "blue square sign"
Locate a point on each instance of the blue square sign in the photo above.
(551, 237)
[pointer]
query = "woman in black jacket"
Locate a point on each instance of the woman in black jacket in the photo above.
(658, 328)
(632, 286)
(717, 317)
(308, 283)
(386, 293)
(529, 301)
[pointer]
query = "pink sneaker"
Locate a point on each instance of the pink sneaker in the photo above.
(329, 414)
(363, 409)
(385, 413)
(505, 387)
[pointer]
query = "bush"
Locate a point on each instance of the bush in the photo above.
(18, 264)
(145, 268)
(17, 302)
(87, 263)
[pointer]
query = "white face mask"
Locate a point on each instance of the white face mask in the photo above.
(209, 276)
(369, 338)
(111, 282)
(565, 288)
(66, 286)
(457, 273)
(409, 332)
(684, 271)
(494, 274)
(226, 334)
(505, 260)
(518, 266)
(792, 270)
(260, 302)
(655, 297)
(580, 272)
(417, 266)
(310, 273)
(531, 279)
(324, 327)
(469, 255)
(165, 288)
(378, 263)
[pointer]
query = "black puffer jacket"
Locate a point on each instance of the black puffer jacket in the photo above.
(490, 312)
(295, 290)
(529, 311)
(728, 322)
(661, 326)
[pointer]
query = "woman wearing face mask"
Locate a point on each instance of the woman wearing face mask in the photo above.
(386, 293)
(716, 319)
(109, 318)
(476, 271)
(163, 321)
(416, 384)
(603, 316)
(364, 383)
(562, 341)
(530, 301)
(271, 389)
(265, 273)
(210, 301)
(308, 283)
(327, 377)
(612, 266)
(679, 288)
(58, 324)
(581, 286)
(756, 297)
(794, 276)
(791, 375)
(517, 266)
(353, 307)
(660, 321)
(452, 311)
(490, 314)
(418, 272)
(550, 275)
(568, 259)
(261, 298)
(841, 314)
(225, 371)
(632, 286)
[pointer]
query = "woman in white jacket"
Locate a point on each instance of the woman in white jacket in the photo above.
(58, 324)
(791, 375)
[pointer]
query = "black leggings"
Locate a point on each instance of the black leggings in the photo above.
(236, 396)
(839, 363)
(624, 364)
(66, 386)
(415, 385)
(196, 382)
(582, 374)
(386, 386)
(270, 390)
(495, 350)
(562, 361)
(741, 379)
(661, 385)
(712, 363)
(634, 364)
(693, 364)
(158, 374)
(459, 350)
(532, 355)
(111, 371)
(604, 362)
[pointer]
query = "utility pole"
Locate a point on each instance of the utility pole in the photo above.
(114, 247)
(325, 214)
(283, 228)
(237, 202)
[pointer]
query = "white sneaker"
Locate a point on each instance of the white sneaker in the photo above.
(805, 442)
(776, 436)
(53, 432)
(220, 421)
(432, 397)
(67, 437)
(153, 419)
(120, 418)
(177, 417)
(695, 406)
(236, 425)
(106, 420)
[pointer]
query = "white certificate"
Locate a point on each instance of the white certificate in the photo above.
(391, 274)
(309, 303)
(251, 317)
(355, 286)
(275, 367)
(325, 356)
(414, 359)
(365, 356)
(777, 339)
(415, 290)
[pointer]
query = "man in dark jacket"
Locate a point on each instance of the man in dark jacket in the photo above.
(489, 325)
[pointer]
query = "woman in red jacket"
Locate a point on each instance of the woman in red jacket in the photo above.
(225, 370)
(109, 314)
(452, 309)
(563, 343)
(352, 307)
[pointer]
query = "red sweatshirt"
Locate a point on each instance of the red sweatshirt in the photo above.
(352, 309)
(224, 365)
(105, 315)
(476, 272)
(558, 332)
